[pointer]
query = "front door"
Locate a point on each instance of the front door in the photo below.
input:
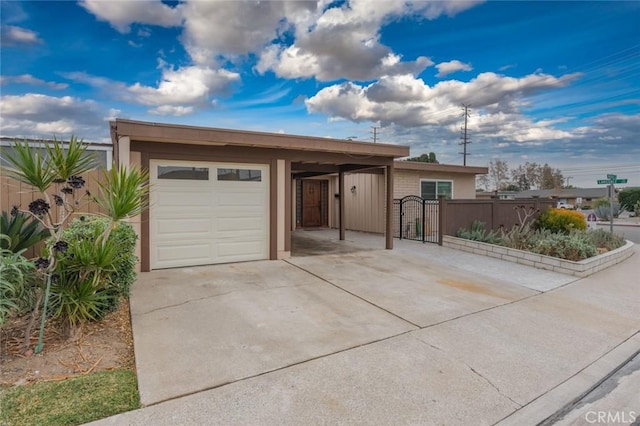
(311, 203)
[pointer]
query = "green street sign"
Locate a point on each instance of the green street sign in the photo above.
(604, 182)
(621, 180)
(612, 177)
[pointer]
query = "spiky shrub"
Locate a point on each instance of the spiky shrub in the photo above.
(605, 240)
(477, 232)
(518, 237)
(604, 211)
(16, 284)
(562, 221)
(574, 246)
(23, 232)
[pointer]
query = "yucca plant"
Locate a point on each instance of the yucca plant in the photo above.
(122, 195)
(17, 275)
(23, 232)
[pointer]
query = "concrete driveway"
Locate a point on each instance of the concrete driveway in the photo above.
(370, 336)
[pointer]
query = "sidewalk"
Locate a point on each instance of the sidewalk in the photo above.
(516, 363)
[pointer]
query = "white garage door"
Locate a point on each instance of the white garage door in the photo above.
(204, 213)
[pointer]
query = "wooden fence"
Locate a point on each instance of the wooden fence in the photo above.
(495, 213)
(14, 193)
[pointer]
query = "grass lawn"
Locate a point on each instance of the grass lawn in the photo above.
(70, 402)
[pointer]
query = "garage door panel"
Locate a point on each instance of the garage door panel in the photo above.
(175, 227)
(208, 221)
(177, 254)
(238, 249)
(181, 198)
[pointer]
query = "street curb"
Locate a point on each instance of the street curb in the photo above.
(618, 224)
(546, 407)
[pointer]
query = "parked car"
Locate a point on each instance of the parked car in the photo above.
(563, 205)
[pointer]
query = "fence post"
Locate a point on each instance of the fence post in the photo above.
(441, 218)
(401, 217)
(424, 219)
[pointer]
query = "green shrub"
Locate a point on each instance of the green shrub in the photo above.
(560, 220)
(478, 233)
(23, 231)
(628, 198)
(636, 209)
(605, 240)
(17, 275)
(574, 246)
(97, 275)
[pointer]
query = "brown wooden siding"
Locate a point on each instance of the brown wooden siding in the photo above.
(14, 193)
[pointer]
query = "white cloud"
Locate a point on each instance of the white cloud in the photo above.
(122, 13)
(237, 27)
(12, 36)
(342, 42)
(171, 110)
(179, 92)
(445, 68)
(186, 86)
(36, 115)
(411, 108)
(29, 79)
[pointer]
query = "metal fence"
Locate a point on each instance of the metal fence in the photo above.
(416, 218)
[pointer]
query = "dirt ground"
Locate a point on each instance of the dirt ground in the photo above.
(100, 346)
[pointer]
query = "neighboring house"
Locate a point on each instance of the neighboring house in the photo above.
(102, 152)
(366, 190)
(222, 195)
(578, 197)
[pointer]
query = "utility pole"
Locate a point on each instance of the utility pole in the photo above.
(375, 133)
(464, 138)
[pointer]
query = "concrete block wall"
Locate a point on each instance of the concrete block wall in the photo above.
(581, 269)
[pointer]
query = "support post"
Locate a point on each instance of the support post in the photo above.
(441, 221)
(611, 193)
(341, 209)
(388, 230)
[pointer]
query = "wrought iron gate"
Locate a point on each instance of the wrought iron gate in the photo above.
(416, 218)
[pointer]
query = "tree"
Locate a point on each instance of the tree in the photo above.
(425, 158)
(628, 198)
(498, 174)
(551, 178)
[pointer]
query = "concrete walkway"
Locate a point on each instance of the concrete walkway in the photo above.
(417, 335)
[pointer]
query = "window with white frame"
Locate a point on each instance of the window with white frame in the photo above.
(432, 189)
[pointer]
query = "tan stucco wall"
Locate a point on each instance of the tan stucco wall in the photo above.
(407, 182)
(365, 208)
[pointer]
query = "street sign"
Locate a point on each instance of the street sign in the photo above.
(611, 179)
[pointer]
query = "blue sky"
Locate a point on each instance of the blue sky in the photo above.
(547, 82)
